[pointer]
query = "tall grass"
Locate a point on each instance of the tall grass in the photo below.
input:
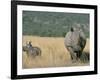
(54, 53)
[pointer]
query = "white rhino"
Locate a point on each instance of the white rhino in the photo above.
(75, 42)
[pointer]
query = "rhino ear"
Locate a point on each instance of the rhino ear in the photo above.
(30, 41)
(26, 42)
(72, 29)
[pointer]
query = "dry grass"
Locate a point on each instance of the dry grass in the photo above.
(54, 53)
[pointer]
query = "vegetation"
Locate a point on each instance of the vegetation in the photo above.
(52, 24)
(54, 53)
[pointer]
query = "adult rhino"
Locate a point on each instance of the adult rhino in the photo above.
(75, 42)
(31, 51)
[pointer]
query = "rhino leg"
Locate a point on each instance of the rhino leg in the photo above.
(27, 53)
(72, 54)
(78, 54)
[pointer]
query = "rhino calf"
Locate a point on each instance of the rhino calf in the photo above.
(32, 51)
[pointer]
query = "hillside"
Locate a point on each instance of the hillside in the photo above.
(52, 24)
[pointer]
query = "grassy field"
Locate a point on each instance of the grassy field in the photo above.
(54, 53)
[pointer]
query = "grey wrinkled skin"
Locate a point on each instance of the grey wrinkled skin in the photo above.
(31, 51)
(75, 42)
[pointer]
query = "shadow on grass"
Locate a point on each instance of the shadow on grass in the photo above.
(85, 57)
